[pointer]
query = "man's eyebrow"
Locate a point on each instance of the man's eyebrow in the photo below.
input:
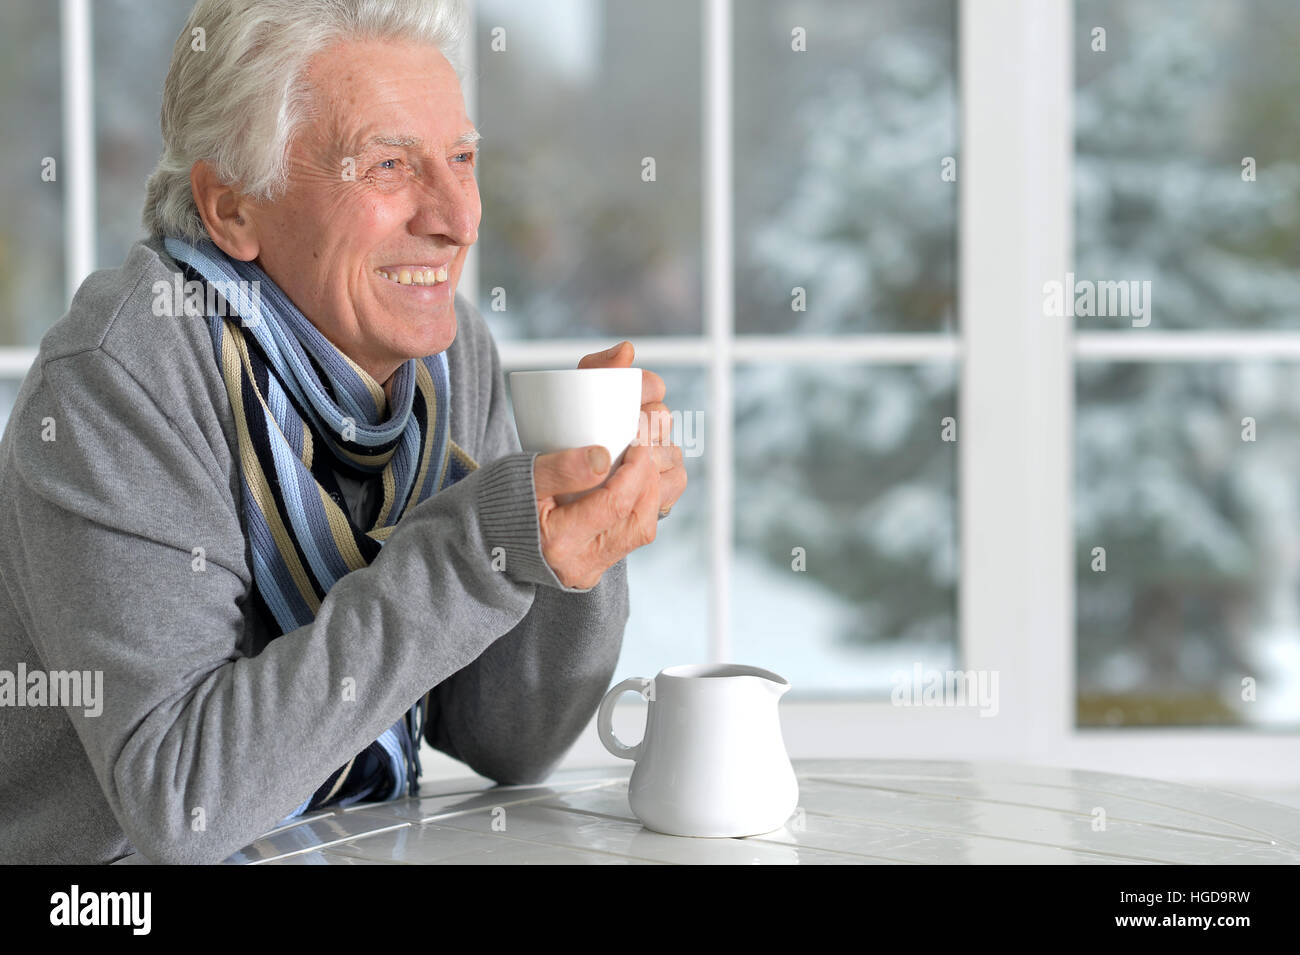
(391, 141)
(469, 138)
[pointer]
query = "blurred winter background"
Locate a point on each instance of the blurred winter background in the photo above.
(1201, 529)
(837, 191)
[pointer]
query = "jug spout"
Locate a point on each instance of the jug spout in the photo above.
(773, 683)
(777, 690)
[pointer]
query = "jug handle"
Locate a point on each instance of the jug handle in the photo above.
(605, 717)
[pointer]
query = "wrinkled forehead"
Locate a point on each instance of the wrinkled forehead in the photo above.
(364, 94)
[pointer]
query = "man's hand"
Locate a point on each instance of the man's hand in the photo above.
(656, 427)
(582, 539)
(585, 534)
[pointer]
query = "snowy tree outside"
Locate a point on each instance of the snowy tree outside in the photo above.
(1200, 522)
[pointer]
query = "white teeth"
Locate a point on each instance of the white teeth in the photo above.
(442, 274)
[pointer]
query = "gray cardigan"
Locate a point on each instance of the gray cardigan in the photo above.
(116, 467)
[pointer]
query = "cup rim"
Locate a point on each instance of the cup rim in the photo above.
(569, 371)
(686, 671)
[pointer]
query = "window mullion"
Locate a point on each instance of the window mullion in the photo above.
(77, 169)
(1016, 589)
(719, 313)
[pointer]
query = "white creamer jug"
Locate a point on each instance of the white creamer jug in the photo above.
(712, 761)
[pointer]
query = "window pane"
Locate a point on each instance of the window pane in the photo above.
(668, 580)
(840, 166)
(1185, 160)
(582, 95)
(31, 234)
(844, 471)
(1188, 550)
(133, 48)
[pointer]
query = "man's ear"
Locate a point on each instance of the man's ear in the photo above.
(225, 212)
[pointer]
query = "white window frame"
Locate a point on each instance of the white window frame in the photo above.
(1015, 421)
(1016, 405)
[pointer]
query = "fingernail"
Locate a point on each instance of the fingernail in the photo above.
(598, 458)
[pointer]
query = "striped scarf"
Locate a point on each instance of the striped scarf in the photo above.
(303, 410)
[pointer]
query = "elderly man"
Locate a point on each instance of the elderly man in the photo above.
(273, 526)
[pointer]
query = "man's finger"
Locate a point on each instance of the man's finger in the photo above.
(652, 387)
(620, 356)
(667, 457)
(569, 471)
(671, 485)
(642, 522)
(638, 515)
(655, 425)
(608, 507)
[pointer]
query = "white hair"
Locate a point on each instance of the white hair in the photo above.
(236, 98)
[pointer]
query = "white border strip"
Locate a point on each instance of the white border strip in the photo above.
(1048, 408)
(652, 351)
(1242, 759)
(1015, 534)
(659, 352)
(565, 352)
(77, 169)
(864, 349)
(1184, 346)
(16, 362)
(718, 313)
(878, 349)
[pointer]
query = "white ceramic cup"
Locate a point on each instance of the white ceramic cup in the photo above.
(577, 407)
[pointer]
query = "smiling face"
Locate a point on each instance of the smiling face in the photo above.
(382, 205)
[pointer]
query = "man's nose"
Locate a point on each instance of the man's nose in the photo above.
(448, 206)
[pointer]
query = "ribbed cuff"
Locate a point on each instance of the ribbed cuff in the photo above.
(507, 502)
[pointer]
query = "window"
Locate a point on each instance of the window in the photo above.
(132, 48)
(835, 561)
(31, 236)
(1186, 470)
(835, 254)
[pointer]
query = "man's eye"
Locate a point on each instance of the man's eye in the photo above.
(469, 154)
(387, 166)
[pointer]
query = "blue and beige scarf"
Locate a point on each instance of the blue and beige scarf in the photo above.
(303, 411)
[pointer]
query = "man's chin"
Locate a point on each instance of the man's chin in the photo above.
(438, 340)
(425, 347)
